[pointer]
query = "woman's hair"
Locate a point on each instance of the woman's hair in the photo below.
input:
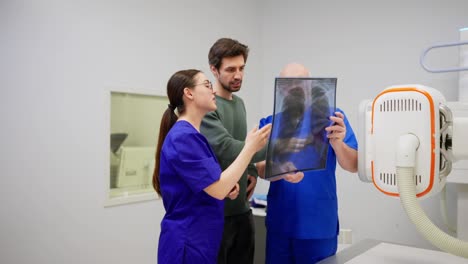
(226, 48)
(175, 92)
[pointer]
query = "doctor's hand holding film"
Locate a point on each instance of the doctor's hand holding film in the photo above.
(293, 177)
(337, 131)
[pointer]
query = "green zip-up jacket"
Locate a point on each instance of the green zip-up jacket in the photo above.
(226, 129)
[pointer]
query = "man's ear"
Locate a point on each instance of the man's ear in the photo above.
(214, 71)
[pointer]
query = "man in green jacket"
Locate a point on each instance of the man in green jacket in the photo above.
(225, 130)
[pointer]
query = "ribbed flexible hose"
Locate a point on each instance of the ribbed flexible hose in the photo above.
(443, 210)
(431, 232)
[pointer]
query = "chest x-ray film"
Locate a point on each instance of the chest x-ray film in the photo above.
(298, 141)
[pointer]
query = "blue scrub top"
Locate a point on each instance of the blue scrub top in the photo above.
(308, 209)
(192, 227)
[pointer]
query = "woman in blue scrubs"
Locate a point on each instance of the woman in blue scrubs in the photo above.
(188, 177)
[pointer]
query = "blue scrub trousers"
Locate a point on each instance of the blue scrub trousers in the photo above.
(284, 250)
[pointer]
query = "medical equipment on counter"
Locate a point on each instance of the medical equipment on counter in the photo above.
(132, 166)
(409, 137)
(136, 167)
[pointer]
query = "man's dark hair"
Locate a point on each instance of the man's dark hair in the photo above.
(226, 47)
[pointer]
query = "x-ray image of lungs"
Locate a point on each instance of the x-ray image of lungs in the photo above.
(298, 141)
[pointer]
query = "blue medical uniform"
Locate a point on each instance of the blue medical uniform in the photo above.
(192, 227)
(305, 211)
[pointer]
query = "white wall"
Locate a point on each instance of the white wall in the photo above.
(368, 45)
(59, 59)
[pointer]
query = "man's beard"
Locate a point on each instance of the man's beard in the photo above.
(229, 89)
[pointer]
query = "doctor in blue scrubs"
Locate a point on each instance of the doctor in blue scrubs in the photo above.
(302, 219)
(188, 177)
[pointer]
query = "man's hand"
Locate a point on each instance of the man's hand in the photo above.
(234, 192)
(261, 168)
(337, 131)
(294, 177)
(252, 182)
(346, 156)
